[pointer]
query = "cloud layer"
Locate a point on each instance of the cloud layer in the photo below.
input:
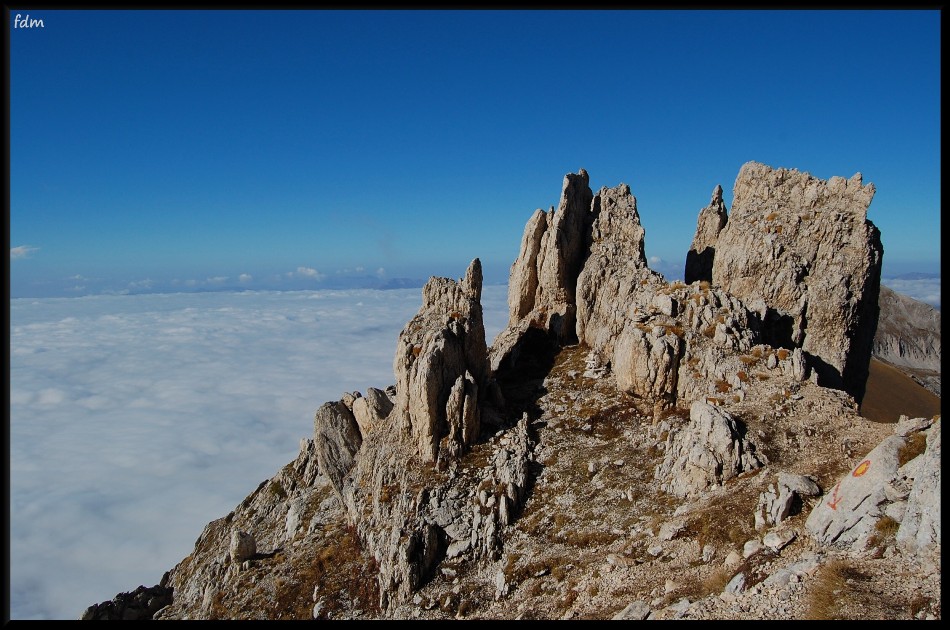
(137, 419)
(923, 289)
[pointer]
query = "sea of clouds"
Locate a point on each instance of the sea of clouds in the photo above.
(135, 420)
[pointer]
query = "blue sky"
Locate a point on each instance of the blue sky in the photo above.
(184, 150)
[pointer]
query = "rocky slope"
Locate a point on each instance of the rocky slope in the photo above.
(908, 337)
(626, 448)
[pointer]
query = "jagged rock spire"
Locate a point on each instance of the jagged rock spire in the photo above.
(441, 366)
(712, 219)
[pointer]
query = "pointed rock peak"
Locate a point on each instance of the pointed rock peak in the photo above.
(716, 199)
(580, 178)
(472, 282)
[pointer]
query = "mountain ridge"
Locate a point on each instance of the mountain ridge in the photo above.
(625, 448)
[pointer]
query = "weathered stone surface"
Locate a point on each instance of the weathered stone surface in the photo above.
(646, 364)
(243, 546)
(441, 366)
(847, 512)
(542, 284)
(544, 277)
(920, 526)
(806, 248)
(906, 425)
(615, 282)
(706, 452)
(370, 409)
(336, 438)
(702, 251)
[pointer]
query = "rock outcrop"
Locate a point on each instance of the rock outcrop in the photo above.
(615, 281)
(142, 603)
(543, 278)
(337, 437)
(920, 523)
(802, 250)
(893, 481)
(441, 366)
(702, 251)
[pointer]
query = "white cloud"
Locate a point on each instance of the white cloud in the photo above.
(380, 272)
(21, 251)
(134, 420)
(245, 277)
(308, 272)
(141, 284)
(655, 260)
(217, 280)
(360, 269)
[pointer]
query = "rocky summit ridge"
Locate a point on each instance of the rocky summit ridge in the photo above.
(626, 448)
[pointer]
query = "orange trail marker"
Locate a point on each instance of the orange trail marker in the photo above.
(862, 468)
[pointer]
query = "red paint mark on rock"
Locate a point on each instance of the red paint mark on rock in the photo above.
(833, 504)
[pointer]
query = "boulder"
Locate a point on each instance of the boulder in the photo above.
(243, 546)
(847, 513)
(708, 451)
(370, 409)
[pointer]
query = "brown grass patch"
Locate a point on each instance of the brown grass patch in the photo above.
(829, 593)
(914, 445)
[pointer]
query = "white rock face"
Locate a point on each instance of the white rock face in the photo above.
(806, 248)
(775, 504)
(544, 277)
(705, 453)
(646, 365)
(920, 527)
(615, 282)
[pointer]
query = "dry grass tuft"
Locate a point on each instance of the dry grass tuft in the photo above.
(914, 445)
(830, 594)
